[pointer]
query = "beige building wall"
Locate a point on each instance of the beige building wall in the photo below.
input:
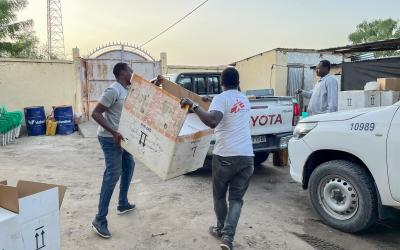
(281, 74)
(270, 69)
(173, 69)
(25, 83)
(258, 72)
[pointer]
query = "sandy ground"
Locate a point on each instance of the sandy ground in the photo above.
(175, 214)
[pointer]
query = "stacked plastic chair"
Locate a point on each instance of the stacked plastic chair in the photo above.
(10, 125)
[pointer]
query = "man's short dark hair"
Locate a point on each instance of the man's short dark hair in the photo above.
(230, 77)
(326, 64)
(118, 68)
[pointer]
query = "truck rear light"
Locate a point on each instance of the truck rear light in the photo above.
(296, 113)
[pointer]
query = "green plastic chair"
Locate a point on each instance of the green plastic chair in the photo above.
(10, 125)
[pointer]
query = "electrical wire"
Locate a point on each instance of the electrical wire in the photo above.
(170, 27)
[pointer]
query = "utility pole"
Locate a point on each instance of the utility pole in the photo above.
(55, 31)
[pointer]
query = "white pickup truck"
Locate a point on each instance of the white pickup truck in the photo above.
(350, 163)
(272, 118)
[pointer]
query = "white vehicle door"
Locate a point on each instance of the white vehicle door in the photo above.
(393, 156)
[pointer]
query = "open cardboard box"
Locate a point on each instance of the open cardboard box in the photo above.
(357, 99)
(29, 216)
(158, 132)
(389, 84)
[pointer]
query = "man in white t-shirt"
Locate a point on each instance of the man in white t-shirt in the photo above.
(233, 160)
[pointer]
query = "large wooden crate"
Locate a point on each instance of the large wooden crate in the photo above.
(158, 132)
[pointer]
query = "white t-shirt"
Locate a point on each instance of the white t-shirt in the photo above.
(233, 136)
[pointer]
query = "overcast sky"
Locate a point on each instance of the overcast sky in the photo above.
(221, 32)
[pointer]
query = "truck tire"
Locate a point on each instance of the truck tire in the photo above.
(260, 157)
(343, 194)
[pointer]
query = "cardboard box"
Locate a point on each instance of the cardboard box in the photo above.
(389, 84)
(365, 99)
(159, 132)
(29, 216)
(9, 231)
(389, 97)
(357, 99)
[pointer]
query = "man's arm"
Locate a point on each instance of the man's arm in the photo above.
(99, 118)
(304, 93)
(332, 90)
(210, 119)
(107, 100)
(97, 115)
(307, 94)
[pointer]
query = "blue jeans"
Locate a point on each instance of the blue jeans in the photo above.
(230, 174)
(119, 163)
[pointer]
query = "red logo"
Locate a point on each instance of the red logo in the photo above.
(237, 106)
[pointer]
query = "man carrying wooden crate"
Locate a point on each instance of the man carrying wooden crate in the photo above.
(119, 163)
(233, 159)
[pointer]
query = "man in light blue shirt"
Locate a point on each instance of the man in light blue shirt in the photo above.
(324, 96)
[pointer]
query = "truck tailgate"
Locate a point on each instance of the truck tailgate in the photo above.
(271, 115)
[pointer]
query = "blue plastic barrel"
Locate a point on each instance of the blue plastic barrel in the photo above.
(35, 119)
(64, 116)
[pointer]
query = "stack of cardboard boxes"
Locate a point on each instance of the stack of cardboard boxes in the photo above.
(388, 93)
(29, 216)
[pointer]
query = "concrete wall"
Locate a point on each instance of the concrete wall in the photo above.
(171, 69)
(25, 83)
(255, 72)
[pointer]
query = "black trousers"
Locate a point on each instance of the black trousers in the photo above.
(230, 174)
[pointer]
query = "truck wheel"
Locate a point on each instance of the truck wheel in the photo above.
(260, 157)
(344, 196)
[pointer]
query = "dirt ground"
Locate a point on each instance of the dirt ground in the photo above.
(175, 214)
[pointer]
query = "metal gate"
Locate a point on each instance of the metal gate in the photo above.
(295, 81)
(99, 66)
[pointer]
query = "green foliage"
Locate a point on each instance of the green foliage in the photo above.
(377, 30)
(16, 38)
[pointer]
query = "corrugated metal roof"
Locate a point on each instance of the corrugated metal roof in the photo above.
(385, 45)
(364, 61)
(363, 57)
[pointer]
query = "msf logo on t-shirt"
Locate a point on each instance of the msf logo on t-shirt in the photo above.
(238, 106)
